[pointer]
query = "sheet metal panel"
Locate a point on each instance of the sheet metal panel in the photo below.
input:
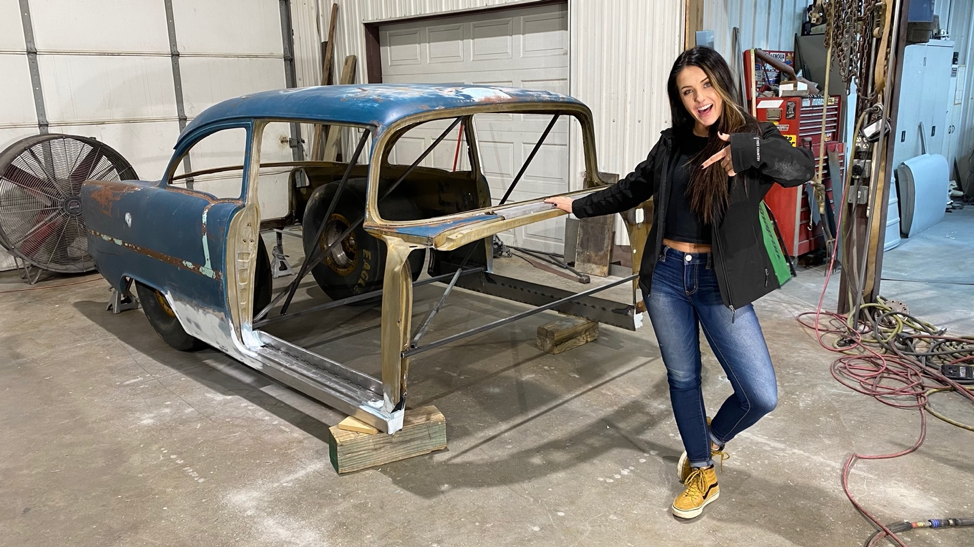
(768, 24)
(11, 30)
(246, 27)
(620, 70)
(100, 26)
(209, 80)
(307, 42)
(17, 107)
(106, 89)
(350, 36)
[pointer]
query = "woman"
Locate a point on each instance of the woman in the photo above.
(705, 260)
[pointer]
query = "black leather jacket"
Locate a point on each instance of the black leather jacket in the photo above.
(741, 262)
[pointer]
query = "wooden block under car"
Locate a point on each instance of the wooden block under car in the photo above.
(566, 333)
(423, 431)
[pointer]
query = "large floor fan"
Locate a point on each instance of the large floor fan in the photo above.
(40, 208)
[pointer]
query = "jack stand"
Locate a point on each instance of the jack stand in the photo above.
(280, 266)
(122, 302)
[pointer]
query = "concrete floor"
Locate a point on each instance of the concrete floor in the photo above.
(110, 438)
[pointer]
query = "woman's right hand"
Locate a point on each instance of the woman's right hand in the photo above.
(561, 202)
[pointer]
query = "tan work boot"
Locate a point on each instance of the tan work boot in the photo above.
(683, 464)
(701, 488)
(683, 468)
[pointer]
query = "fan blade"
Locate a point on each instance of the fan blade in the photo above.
(38, 235)
(83, 171)
(30, 183)
(47, 167)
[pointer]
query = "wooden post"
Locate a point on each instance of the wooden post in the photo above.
(316, 149)
(335, 133)
(423, 431)
(693, 23)
(593, 245)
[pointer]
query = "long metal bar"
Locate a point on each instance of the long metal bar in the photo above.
(511, 319)
(287, 34)
(446, 293)
(293, 287)
(35, 74)
(580, 276)
(177, 83)
(356, 298)
(421, 157)
(439, 304)
(527, 162)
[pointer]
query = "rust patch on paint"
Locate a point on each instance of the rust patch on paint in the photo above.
(202, 269)
(108, 193)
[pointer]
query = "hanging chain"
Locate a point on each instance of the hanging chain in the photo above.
(849, 32)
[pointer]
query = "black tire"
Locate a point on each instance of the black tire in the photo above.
(164, 321)
(356, 265)
(167, 326)
(263, 278)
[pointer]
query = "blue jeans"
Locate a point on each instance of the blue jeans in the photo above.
(684, 294)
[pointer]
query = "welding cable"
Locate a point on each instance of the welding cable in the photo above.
(95, 278)
(932, 523)
(890, 357)
(936, 414)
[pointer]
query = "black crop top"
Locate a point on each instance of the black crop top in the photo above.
(682, 224)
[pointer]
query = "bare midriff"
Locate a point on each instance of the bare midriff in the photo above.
(685, 247)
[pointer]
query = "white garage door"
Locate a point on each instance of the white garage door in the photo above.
(525, 47)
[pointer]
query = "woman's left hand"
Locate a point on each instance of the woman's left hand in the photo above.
(724, 157)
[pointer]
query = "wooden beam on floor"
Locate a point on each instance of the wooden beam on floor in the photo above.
(423, 431)
(566, 333)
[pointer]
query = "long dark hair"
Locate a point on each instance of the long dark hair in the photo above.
(708, 191)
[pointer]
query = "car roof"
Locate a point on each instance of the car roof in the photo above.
(377, 105)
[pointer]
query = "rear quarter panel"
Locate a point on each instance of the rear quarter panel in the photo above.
(170, 239)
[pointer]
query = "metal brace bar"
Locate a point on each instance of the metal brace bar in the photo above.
(293, 287)
(439, 304)
(353, 299)
(511, 319)
(317, 257)
(527, 162)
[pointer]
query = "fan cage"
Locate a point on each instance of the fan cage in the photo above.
(40, 205)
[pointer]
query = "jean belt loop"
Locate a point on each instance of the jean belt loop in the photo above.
(710, 261)
(662, 253)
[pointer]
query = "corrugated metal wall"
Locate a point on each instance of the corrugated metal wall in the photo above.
(619, 70)
(768, 24)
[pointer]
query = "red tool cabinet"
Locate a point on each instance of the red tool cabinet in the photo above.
(800, 120)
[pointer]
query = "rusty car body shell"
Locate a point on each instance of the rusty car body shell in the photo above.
(200, 251)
